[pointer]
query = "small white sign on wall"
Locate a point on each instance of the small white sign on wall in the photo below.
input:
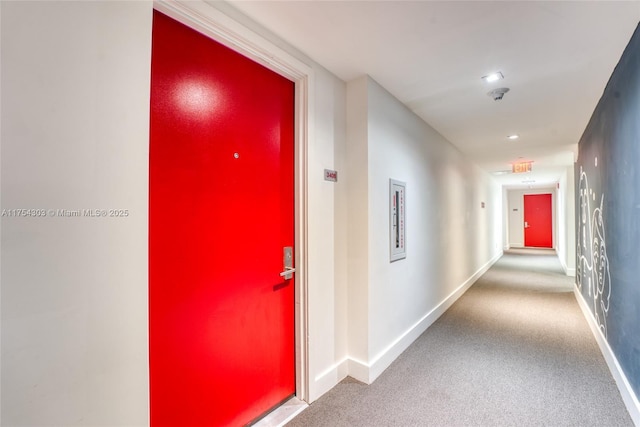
(397, 220)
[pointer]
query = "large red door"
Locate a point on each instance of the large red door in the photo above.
(538, 221)
(221, 193)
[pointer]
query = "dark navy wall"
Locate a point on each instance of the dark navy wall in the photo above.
(608, 213)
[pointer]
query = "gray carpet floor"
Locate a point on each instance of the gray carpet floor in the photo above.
(514, 350)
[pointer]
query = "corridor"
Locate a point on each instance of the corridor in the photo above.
(401, 189)
(513, 350)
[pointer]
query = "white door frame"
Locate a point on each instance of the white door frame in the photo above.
(518, 222)
(210, 21)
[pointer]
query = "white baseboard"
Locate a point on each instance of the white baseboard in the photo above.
(359, 370)
(368, 372)
(568, 271)
(336, 373)
(327, 379)
(628, 396)
(562, 264)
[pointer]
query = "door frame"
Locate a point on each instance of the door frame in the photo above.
(212, 22)
(514, 215)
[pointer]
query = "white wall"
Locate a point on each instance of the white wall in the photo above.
(358, 225)
(506, 221)
(450, 237)
(515, 218)
(326, 241)
(75, 101)
(341, 266)
(566, 222)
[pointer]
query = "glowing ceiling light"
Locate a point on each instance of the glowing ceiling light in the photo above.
(514, 136)
(493, 77)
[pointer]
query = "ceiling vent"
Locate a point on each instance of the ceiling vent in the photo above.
(498, 93)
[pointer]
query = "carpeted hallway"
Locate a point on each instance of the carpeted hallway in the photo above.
(515, 350)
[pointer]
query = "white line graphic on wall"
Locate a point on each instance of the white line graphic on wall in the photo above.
(593, 264)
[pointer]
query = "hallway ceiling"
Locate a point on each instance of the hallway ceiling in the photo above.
(556, 58)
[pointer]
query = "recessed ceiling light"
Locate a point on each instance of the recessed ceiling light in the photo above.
(493, 77)
(514, 136)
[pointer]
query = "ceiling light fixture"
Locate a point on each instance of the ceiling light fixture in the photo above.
(493, 77)
(514, 136)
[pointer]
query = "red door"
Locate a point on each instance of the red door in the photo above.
(221, 193)
(538, 222)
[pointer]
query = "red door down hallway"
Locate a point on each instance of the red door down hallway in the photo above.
(538, 221)
(221, 212)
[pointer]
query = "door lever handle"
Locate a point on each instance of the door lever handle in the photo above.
(288, 271)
